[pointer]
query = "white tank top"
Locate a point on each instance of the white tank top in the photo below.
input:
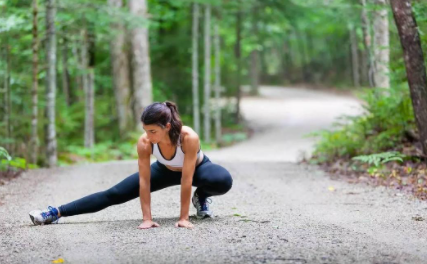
(177, 159)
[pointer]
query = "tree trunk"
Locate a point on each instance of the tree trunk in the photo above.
(286, 60)
(51, 145)
(255, 56)
(34, 118)
(254, 72)
(354, 55)
(366, 28)
(217, 84)
(79, 77)
(207, 85)
(381, 45)
(65, 73)
(121, 76)
(143, 94)
(195, 68)
(90, 109)
(90, 88)
(7, 98)
(414, 62)
(237, 52)
(85, 83)
(303, 55)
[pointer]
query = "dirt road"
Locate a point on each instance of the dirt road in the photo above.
(276, 212)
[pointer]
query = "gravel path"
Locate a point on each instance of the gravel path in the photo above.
(276, 212)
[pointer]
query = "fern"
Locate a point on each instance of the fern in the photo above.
(380, 158)
(15, 163)
(4, 154)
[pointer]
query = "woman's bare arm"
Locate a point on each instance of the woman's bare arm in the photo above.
(191, 147)
(144, 152)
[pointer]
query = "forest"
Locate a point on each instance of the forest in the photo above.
(76, 75)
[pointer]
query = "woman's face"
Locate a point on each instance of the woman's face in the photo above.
(156, 133)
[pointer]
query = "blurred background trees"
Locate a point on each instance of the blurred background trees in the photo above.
(76, 75)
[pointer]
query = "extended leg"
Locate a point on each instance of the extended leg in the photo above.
(124, 191)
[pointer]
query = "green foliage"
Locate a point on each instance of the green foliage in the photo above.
(104, 151)
(377, 161)
(380, 158)
(233, 137)
(380, 128)
(4, 154)
(7, 162)
(298, 41)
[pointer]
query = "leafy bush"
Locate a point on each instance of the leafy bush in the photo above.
(387, 116)
(12, 166)
(105, 151)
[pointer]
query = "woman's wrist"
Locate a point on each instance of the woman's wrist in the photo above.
(185, 217)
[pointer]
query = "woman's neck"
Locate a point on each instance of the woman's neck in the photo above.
(166, 141)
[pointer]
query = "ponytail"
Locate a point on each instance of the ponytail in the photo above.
(176, 123)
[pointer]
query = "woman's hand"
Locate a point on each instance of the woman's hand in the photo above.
(184, 223)
(148, 224)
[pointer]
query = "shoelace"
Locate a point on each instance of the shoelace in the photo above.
(204, 205)
(50, 213)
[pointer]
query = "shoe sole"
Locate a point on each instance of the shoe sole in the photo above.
(204, 216)
(32, 219)
(210, 215)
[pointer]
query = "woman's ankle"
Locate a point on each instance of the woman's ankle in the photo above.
(59, 212)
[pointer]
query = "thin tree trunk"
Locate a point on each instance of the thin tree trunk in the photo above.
(89, 41)
(310, 51)
(207, 85)
(354, 55)
(85, 84)
(237, 51)
(364, 68)
(34, 119)
(65, 73)
(217, 84)
(6, 90)
(51, 145)
(143, 94)
(290, 74)
(366, 27)
(79, 77)
(303, 55)
(90, 109)
(195, 68)
(255, 56)
(286, 60)
(254, 72)
(381, 45)
(414, 62)
(121, 75)
(7, 98)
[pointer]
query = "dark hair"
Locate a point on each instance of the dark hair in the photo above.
(162, 113)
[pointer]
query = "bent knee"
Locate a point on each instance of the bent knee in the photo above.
(225, 181)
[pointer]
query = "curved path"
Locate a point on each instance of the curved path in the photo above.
(277, 211)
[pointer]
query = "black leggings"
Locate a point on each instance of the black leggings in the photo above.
(211, 179)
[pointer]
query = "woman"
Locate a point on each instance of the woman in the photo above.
(179, 161)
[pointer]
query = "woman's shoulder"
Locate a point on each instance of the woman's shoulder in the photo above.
(144, 145)
(189, 137)
(188, 133)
